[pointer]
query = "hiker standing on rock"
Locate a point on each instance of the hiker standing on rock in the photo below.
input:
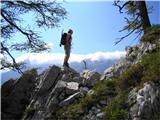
(66, 40)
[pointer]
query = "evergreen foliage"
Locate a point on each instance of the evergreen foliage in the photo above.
(138, 21)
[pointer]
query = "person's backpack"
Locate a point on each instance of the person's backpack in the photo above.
(63, 39)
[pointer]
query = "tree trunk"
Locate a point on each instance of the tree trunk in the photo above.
(144, 15)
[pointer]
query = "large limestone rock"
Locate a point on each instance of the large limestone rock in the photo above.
(55, 88)
(145, 103)
(91, 77)
(16, 95)
(37, 97)
(133, 56)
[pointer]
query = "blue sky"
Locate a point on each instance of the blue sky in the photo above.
(96, 27)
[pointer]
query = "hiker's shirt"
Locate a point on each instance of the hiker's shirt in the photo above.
(68, 40)
(67, 46)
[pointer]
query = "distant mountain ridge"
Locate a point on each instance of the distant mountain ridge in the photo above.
(98, 65)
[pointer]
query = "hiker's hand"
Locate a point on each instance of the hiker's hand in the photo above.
(60, 45)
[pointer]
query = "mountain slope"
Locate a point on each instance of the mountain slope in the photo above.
(130, 89)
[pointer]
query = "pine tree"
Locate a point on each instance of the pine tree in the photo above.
(138, 21)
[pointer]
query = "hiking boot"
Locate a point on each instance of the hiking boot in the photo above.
(66, 64)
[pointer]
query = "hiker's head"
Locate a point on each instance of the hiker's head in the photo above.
(70, 31)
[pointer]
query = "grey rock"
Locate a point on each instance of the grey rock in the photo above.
(91, 77)
(71, 88)
(84, 91)
(146, 103)
(70, 99)
(103, 102)
(100, 115)
(132, 96)
(50, 78)
(54, 87)
(16, 95)
(133, 56)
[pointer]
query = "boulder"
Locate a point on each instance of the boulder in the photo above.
(70, 99)
(91, 78)
(16, 95)
(145, 103)
(133, 56)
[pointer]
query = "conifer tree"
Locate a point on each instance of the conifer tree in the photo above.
(138, 20)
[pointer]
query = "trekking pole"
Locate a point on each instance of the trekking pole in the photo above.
(61, 37)
(62, 32)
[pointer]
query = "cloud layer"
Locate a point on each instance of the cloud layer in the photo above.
(40, 58)
(98, 61)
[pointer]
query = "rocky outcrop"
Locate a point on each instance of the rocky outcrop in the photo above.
(35, 97)
(16, 95)
(145, 103)
(133, 56)
(53, 90)
(91, 78)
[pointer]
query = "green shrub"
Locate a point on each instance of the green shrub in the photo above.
(30, 75)
(146, 70)
(151, 63)
(73, 111)
(28, 112)
(105, 87)
(130, 78)
(117, 108)
(152, 34)
(30, 72)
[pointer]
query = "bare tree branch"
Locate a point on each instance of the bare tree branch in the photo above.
(47, 14)
(138, 21)
(121, 6)
(14, 62)
(120, 39)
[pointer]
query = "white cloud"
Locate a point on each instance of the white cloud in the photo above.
(82, 0)
(57, 58)
(98, 61)
(92, 0)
